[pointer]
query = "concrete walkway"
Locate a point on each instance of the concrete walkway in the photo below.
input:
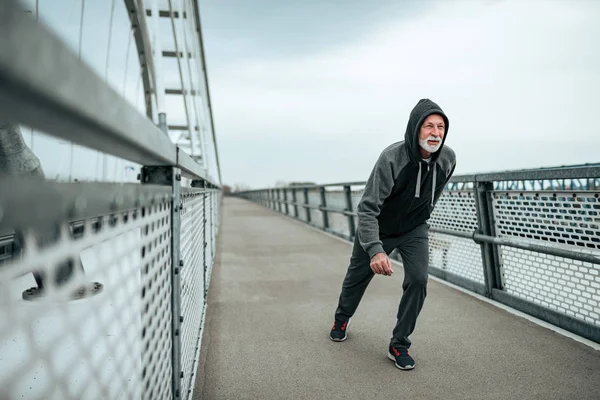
(273, 294)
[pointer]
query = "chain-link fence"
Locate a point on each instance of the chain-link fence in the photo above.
(530, 239)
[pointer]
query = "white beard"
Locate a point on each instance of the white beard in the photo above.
(427, 147)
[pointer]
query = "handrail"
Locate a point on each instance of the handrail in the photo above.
(584, 171)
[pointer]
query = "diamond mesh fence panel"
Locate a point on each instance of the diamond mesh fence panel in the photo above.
(336, 199)
(316, 216)
(102, 328)
(356, 197)
(456, 211)
(6, 249)
(568, 286)
(565, 218)
(192, 271)
(457, 255)
(302, 211)
(287, 209)
(338, 222)
(213, 200)
(569, 220)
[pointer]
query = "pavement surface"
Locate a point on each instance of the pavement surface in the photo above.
(272, 298)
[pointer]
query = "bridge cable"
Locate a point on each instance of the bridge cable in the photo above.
(79, 56)
(110, 30)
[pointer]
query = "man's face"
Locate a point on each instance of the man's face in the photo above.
(432, 133)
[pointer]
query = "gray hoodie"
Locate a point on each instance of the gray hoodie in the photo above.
(402, 189)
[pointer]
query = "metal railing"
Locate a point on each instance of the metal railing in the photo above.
(528, 239)
(103, 288)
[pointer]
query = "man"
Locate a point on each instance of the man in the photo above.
(399, 196)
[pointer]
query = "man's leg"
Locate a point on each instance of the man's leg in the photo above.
(357, 278)
(414, 250)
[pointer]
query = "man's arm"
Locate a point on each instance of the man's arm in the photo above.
(377, 189)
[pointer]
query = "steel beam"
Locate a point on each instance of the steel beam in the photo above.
(180, 92)
(181, 128)
(165, 14)
(173, 54)
(206, 86)
(144, 49)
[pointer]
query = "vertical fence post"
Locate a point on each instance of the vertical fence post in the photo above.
(274, 199)
(204, 230)
(278, 200)
(324, 204)
(295, 200)
(489, 251)
(285, 199)
(213, 227)
(307, 209)
(349, 207)
(169, 176)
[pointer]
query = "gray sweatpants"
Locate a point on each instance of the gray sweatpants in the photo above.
(414, 250)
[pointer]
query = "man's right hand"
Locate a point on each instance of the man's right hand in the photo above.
(381, 264)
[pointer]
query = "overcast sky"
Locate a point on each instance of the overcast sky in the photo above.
(314, 90)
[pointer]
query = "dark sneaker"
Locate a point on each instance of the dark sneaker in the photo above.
(401, 358)
(338, 331)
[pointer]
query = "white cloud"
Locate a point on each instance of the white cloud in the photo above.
(514, 76)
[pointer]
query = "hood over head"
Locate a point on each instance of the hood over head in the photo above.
(420, 112)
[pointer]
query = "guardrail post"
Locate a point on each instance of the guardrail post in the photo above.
(295, 200)
(201, 184)
(278, 200)
(351, 225)
(285, 199)
(169, 176)
(204, 242)
(489, 252)
(274, 199)
(307, 209)
(324, 204)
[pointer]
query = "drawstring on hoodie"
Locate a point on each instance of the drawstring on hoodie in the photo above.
(433, 187)
(418, 189)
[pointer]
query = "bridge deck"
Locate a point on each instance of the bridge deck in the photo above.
(273, 293)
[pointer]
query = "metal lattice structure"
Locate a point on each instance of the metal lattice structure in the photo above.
(535, 246)
(193, 276)
(103, 285)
